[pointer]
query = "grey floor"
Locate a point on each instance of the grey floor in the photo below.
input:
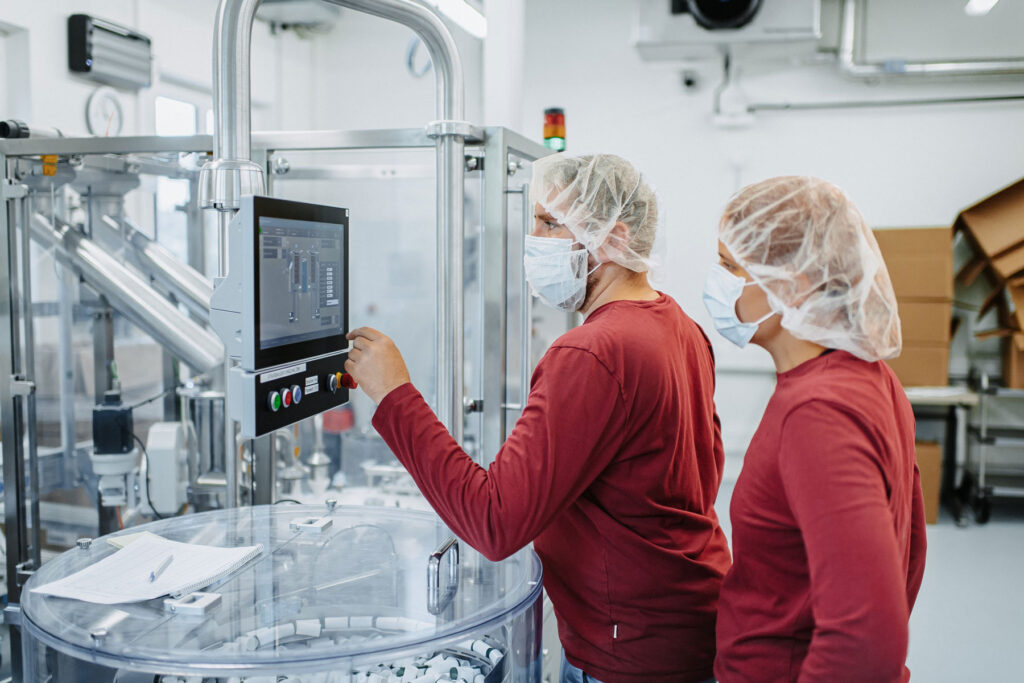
(968, 623)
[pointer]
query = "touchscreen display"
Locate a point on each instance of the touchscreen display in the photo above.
(301, 279)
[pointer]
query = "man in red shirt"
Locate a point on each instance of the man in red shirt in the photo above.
(613, 469)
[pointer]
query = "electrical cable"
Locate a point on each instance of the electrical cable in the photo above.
(145, 454)
(155, 398)
(163, 393)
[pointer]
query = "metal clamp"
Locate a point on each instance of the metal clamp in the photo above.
(436, 602)
(24, 571)
(21, 386)
(13, 190)
(463, 129)
(83, 543)
(192, 605)
(12, 614)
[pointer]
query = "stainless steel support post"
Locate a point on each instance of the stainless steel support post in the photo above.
(10, 415)
(230, 448)
(65, 321)
(194, 229)
(170, 383)
(28, 370)
(264, 467)
(450, 285)
(103, 380)
(102, 350)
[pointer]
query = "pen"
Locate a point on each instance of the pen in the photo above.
(160, 570)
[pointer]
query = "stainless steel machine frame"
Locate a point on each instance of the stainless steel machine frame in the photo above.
(496, 158)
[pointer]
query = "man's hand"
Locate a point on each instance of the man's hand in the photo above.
(375, 363)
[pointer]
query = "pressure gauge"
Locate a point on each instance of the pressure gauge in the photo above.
(104, 115)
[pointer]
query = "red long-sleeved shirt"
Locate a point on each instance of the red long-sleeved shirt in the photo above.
(828, 532)
(612, 471)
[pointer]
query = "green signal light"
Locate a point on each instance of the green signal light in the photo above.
(557, 144)
(277, 402)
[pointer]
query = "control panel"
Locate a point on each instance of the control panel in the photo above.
(277, 398)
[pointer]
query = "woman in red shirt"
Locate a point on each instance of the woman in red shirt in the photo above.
(827, 514)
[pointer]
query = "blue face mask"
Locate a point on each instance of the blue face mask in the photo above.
(557, 273)
(721, 292)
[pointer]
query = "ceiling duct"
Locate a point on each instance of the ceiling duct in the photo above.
(850, 29)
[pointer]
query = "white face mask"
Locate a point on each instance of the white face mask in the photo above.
(721, 292)
(557, 273)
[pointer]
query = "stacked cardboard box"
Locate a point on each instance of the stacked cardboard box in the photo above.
(995, 229)
(920, 263)
(929, 462)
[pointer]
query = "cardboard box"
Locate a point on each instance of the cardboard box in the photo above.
(1013, 361)
(995, 227)
(920, 262)
(925, 322)
(922, 365)
(929, 462)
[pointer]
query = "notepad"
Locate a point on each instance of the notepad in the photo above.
(125, 575)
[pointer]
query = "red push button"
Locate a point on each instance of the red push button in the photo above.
(349, 382)
(286, 397)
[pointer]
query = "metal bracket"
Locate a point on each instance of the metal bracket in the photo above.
(464, 129)
(473, 405)
(25, 570)
(192, 605)
(13, 190)
(474, 163)
(312, 525)
(21, 386)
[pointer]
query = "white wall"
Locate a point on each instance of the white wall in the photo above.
(915, 166)
(358, 78)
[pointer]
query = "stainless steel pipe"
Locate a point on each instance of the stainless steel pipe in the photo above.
(450, 106)
(189, 286)
(131, 295)
(233, 174)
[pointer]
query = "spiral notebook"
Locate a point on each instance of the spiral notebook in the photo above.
(149, 567)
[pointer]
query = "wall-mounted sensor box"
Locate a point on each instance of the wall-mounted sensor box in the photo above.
(108, 53)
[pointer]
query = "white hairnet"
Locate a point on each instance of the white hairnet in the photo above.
(807, 246)
(590, 194)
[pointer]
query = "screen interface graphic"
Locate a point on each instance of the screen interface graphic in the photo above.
(300, 280)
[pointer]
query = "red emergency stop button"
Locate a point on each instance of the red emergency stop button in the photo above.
(349, 382)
